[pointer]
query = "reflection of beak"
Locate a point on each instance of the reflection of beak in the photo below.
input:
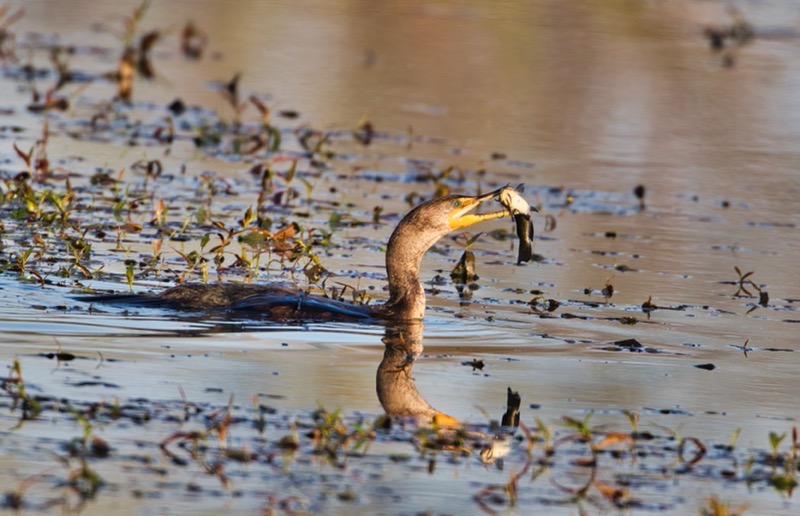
(460, 217)
(444, 421)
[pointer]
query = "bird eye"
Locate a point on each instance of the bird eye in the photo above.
(456, 203)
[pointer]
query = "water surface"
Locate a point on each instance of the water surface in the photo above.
(582, 103)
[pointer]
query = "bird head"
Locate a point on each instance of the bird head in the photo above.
(460, 210)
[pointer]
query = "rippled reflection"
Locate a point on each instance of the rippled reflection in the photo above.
(397, 392)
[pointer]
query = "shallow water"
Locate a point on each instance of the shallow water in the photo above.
(586, 101)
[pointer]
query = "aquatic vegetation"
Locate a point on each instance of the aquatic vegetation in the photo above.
(540, 304)
(464, 272)
(743, 282)
(134, 58)
(14, 387)
(608, 290)
(728, 39)
(639, 191)
(193, 41)
(364, 131)
(7, 37)
(335, 440)
(572, 463)
(83, 479)
(716, 507)
(648, 306)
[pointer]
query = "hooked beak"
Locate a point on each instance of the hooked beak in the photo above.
(492, 194)
(496, 195)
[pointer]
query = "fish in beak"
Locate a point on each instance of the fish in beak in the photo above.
(520, 211)
(515, 205)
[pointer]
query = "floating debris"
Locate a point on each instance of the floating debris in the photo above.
(477, 365)
(707, 367)
(193, 41)
(728, 39)
(364, 131)
(639, 191)
(513, 404)
(464, 271)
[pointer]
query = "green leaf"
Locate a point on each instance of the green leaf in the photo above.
(775, 440)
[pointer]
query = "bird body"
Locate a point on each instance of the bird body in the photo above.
(422, 227)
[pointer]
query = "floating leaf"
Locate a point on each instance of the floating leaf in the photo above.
(615, 438)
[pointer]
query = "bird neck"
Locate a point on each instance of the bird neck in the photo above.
(404, 253)
(406, 295)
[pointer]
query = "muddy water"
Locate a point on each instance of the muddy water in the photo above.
(580, 103)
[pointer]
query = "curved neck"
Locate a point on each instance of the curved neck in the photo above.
(412, 238)
(404, 255)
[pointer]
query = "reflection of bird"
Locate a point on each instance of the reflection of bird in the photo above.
(400, 398)
(396, 389)
(414, 235)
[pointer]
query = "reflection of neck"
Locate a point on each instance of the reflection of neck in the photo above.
(395, 385)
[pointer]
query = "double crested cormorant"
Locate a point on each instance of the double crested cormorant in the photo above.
(413, 236)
